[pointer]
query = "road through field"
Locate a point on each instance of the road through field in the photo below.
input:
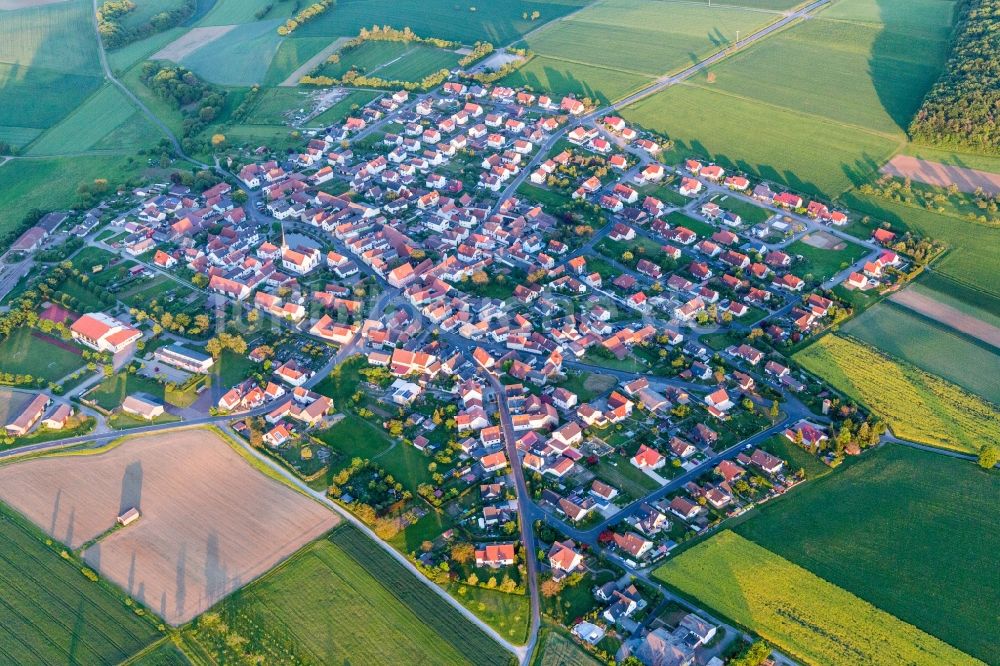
(949, 316)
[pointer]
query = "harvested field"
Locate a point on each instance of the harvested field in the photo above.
(200, 504)
(942, 175)
(949, 316)
(190, 42)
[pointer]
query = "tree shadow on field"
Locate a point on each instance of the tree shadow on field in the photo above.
(79, 623)
(180, 590)
(55, 512)
(900, 105)
(131, 495)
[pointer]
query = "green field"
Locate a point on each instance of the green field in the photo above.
(418, 62)
(112, 390)
(336, 113)
(383, 613)
(272, 104)
(556, 649)
(971, 259)
(822, 263)
(50, 613)
(293, 52)
(164, 653)
(229, 12)
(98, 117)
(965, 299)
(224, 61)
(930, 346)
(641, 40)
(48, 63)
(366, 57)
(52, 183)
(599, 83)
(29, 352)
(918, 406)
(497, 22)
(509, 614)
(877, 58)
(797, 457)
(353, 437)
(889, 528)
(799, 612)
(751, 213)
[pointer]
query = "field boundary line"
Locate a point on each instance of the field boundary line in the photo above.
(292, 80)
(651, 76)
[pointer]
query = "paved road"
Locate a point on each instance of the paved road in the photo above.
(524, 513)
(667, 81)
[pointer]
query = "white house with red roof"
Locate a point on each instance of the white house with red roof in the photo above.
(103, 332)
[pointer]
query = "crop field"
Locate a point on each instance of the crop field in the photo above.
(224, 61)
(48, 63)
(498, 22)
(366, 57)
(877, 58)
(121, 59)
(99, 116)
(165, 653)
(199, 501)
(810, 618)
(930, 346)
(971, 259)
(230, 12)
(373, 626)
(293, 52)
(918, 406)
(50, 613)
(418, 62)
(785, 146)
(583, 80)
(642, 40)
(824, 263)
(147, 9)
(29, 352)
(889, 528)
(964, 299)
(904, 57)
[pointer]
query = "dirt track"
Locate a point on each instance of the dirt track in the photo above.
(948, 316)
(210, 523)
(942, 175)
(308, 66)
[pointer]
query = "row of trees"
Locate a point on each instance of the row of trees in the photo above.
(962, 110)
(304, 16)
(115, 34)
(479, 51)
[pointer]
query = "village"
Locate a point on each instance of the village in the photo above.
(484, 317)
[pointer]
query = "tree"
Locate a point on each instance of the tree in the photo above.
(989, 456)
(463, 552)
(550, 588)
(774, 409)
